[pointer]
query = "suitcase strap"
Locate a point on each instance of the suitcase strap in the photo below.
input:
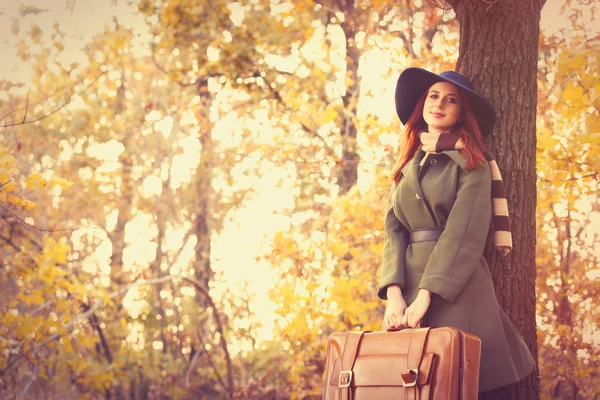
(348, 359)
(410, 375)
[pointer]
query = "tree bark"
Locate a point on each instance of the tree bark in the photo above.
(155, 266)
(565, 389)
(124, 206)
(348, 167)
(203, 182)
(124, 201)
(499, 53)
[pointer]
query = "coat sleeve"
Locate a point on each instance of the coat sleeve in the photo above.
(460, 247)
(394, 247)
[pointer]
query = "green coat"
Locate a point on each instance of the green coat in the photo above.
(442, 195)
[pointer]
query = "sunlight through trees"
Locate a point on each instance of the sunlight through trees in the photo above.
(192, 192)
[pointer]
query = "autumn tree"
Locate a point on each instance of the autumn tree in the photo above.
(127, 145)
(329, 267)
(45, 300)
(499, 52)
(568, 164)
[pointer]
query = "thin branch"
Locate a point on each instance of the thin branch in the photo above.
(64, 104)
(222, 341)
(173, 260)
(43, 230)
(90, 313)
(164, 71)
(444, 6)
(568, 160)
(210, 362)
(277, 96)
(31, 121)
(11, 243)
(32, 378)
(95, 323)
(194, 82)
(13, 111)
(305, 127)
(189, 370)
(590, 175)
(85, 316)
(40, 307)
(26, 105)
(22, 342)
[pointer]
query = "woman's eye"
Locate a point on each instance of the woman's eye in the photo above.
(433, 96)
(452, 100)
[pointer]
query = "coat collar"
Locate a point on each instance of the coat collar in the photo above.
(411, 170)
(456, 157)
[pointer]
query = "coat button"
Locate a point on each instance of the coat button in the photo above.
(433, 161)
(418, 197)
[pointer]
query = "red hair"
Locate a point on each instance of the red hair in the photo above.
(467, 128)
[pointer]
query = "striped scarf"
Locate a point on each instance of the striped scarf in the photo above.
(435, 143)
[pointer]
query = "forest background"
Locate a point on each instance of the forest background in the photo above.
(191, 192)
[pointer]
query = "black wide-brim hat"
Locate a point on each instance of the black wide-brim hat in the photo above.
(414, 81)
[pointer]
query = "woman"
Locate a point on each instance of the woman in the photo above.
(437, 220)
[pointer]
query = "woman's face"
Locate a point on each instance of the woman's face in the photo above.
(442, 107)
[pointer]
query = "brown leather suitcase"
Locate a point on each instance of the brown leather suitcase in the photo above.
(420, 364)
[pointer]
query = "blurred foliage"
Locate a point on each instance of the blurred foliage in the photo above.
(568, 213)
(120, 173)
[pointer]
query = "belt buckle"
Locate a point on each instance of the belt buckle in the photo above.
(345, 379)
(409, 377)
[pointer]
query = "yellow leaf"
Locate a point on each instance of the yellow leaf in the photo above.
(6, 159)
(8, 163)
(30, 183)
(65, 184)
(35, 296)
(28, 204)
(9, 187)
(35, 180)
(14, 200)
(36, 176)
(330, 114)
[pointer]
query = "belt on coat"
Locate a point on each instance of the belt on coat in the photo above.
(424, 235)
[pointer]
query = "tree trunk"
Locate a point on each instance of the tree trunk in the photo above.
(565, 388)
(347, 175)
(124, 201)
(155, 266)
(124, 206)
(203, 182)
(499, 53)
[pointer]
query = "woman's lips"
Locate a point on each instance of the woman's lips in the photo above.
(438, 115)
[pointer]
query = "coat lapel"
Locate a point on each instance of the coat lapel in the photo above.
(411, 172)
(456, 157)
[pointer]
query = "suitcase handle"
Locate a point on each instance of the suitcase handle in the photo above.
(402, 328)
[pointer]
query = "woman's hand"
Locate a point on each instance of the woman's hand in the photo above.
(394, 309)
(416, 311)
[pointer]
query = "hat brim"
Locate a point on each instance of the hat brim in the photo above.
(414, 81)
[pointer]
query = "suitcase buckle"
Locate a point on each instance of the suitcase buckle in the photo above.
(345, 379)
(409, 377)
